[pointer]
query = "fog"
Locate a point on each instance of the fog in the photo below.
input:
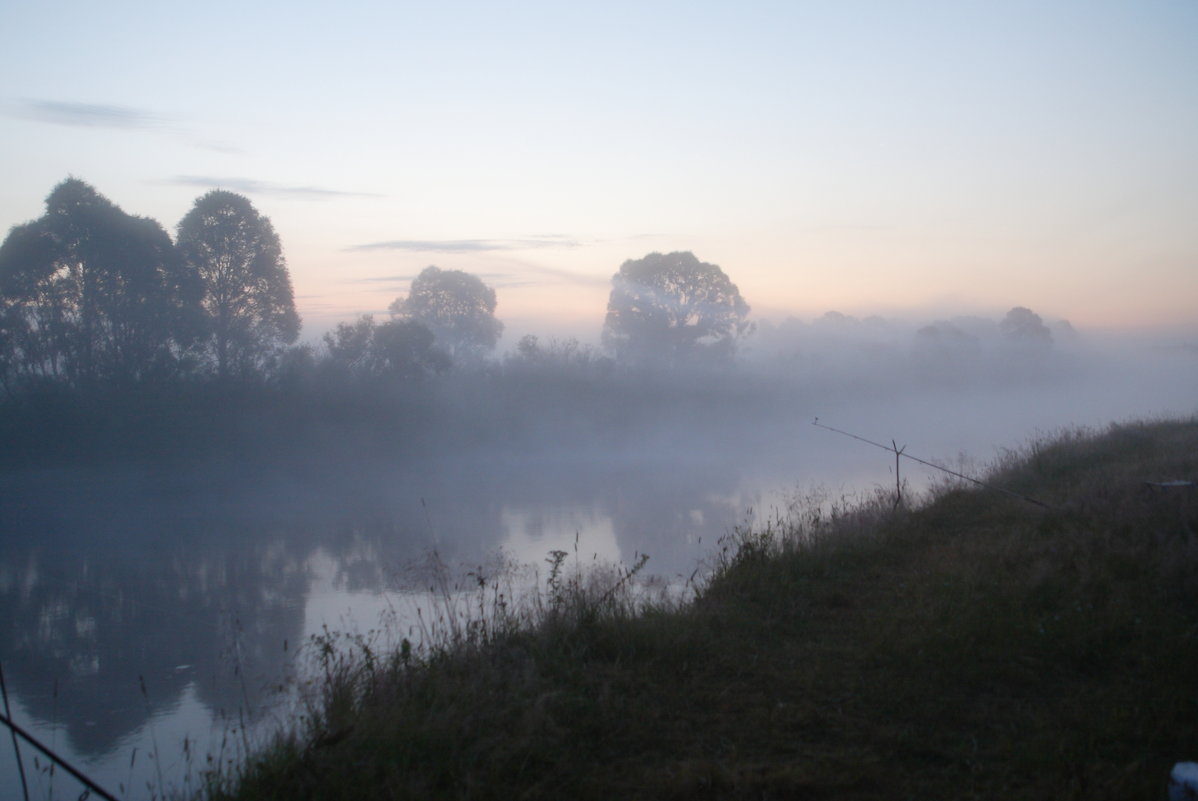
(197, 547)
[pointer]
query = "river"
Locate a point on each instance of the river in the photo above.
(152, 620)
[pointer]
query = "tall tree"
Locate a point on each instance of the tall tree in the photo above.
(457, 307)
(248, 298)
(90, 293)
(673, 309)
(1023, 327)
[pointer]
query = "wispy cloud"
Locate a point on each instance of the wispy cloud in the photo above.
(87, 115)
(521, 275)
(408, 278)
(226, 148)
(469, 245)
(250, 186)
(112, 116)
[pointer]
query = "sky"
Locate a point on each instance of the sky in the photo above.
(910, 159)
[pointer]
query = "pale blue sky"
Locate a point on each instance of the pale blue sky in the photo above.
(911, 158)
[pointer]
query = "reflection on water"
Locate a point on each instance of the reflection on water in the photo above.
(138, 611)
(148, 618)
(532, 533)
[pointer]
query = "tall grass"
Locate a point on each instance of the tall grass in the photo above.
(964, 645)
(469, 679)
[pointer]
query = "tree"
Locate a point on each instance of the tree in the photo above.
(247, 290)
(396, 349)
(559, 356)
(944, 351)
(673, 309)
(457, 307)
(406, 349)
(348, 345)
(1024, 328)
(89, 293)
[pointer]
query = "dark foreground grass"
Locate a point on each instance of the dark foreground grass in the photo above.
(977, 646)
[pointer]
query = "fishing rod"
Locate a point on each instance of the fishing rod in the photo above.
(16, 745)
(45, 749)
(897, 451)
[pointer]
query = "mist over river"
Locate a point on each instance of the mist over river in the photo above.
(151, 615)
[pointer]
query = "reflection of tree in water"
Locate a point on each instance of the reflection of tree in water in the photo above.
(108, 577)
(657, 505)
(464, 510)
(86, 613)
(105, 580)
(451, 506)
(675, 515)
(82, 628)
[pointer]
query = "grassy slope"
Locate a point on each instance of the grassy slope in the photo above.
(978, 646)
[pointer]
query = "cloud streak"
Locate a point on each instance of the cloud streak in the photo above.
(250, 186)
(468, 245)
(112, 117)
(88, 115)
(521, 276)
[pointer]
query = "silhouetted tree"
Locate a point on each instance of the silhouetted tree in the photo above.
(406, 349)
(457, 307)
(395, 349)
(1064, 333)
(944, 351)
(89, 293)
(348, 345)
(247, 289)
(1024, 327)
(673, 309)
(561, 356)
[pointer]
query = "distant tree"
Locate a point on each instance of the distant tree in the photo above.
(294, 367)
(396, 349)
(1064, 333)
(32, 317)
(406, 349)
(943, 350)
(247, 290)
(457, 307)
(348, 345)
(528, 349)
(89, 293)
(835, 319)
(561, 356)
(947, 336)
(673, 309)
(1024, 327)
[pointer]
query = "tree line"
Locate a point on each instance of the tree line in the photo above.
(117, 340)
(92, 296)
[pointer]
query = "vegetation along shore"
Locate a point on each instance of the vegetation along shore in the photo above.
(968, 645)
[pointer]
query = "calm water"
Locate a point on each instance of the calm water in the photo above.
(150, 619)
(140, 609)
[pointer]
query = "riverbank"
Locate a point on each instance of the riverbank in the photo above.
(975, 645)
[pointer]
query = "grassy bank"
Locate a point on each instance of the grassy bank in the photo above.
(974, 646)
